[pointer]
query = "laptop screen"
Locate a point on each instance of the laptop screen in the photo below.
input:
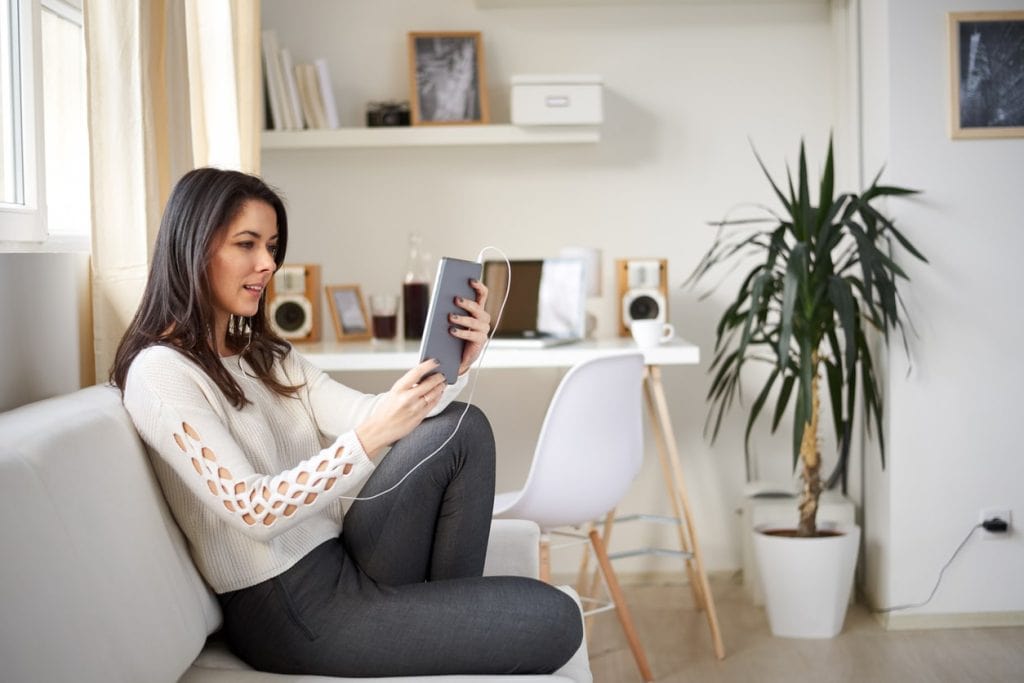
(547, 298)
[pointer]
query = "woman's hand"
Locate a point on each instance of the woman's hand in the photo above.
(477, 324)
(403, 408)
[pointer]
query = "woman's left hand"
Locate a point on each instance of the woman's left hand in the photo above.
(477, 325)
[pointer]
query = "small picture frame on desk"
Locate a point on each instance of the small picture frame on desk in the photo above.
(986, 74)
(446, 78)
(348, 311)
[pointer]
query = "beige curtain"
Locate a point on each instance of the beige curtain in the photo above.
(173, 85)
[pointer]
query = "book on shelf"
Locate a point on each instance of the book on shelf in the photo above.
(327, 93)
(297, 96)
(291, 89)
(279, 81)
(310, 95)
(273, 81)
(317, 95)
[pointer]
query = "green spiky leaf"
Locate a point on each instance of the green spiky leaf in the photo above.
(820, 270)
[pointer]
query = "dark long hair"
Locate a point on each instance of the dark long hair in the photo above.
(176, 307)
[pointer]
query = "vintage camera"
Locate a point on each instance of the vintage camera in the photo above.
(388, 113)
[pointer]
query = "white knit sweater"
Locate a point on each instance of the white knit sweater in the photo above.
(254, 489)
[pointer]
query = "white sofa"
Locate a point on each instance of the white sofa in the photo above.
(96, 582)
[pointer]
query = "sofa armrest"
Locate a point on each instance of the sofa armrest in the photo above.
(514, 549)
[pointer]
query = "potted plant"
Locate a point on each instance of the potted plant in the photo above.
(820, 276)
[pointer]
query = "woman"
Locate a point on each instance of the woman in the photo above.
(256, 450)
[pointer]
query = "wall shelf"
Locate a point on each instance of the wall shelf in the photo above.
(506, 4)
(426, 136)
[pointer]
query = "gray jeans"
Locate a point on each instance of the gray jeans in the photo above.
(400, 591)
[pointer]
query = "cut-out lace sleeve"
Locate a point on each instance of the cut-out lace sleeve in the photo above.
(261, 505)
(176, 418)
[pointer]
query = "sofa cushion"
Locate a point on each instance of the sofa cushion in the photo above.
(217, 665)
(96, 582)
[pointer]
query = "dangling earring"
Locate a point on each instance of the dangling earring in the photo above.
(248, 342)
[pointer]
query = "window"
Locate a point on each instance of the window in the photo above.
(22, 216)
(44, 162)
(66, 168)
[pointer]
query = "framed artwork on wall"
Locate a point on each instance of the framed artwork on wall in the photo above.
(446, 78)
(986, 74)
(348, 310)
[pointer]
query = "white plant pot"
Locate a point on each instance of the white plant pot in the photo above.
(806, 581)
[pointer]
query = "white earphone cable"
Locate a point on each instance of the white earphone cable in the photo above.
(472, 391)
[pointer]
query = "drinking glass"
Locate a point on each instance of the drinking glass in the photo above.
(384, 315)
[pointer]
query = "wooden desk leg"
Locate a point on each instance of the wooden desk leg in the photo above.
(677, 509)
(656, 394)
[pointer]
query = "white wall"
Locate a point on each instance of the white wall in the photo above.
(44, 312)
(954, 420)
(686, 86)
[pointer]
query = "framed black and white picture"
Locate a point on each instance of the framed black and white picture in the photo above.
(986, 74)
(348, 311)
(446, 78)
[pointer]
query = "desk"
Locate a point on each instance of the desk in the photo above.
(401, 355)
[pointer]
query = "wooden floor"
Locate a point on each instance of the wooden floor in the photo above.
(679, 646)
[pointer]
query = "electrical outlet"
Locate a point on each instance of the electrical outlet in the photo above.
(993, 513)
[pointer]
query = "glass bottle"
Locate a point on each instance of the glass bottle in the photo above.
(415, 290)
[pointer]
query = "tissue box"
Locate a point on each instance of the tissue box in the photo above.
(556, 100)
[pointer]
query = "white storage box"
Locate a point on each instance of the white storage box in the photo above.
(556, 100)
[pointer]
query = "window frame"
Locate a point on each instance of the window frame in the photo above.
(72, 12)
(26, 221)
(23, 227)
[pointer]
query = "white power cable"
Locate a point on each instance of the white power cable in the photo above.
(938, 580)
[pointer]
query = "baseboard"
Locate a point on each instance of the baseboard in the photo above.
(914, 622)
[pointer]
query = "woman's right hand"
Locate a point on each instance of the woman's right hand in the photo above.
(409, 400)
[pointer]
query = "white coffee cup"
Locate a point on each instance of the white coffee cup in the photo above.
(649, 333)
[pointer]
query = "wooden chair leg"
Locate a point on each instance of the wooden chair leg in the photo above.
(581, 575)
(545, 558)
(606, 538)
(620, 606)
(589, 585)
(582, 588)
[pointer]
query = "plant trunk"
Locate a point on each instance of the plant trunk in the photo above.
(811, 459)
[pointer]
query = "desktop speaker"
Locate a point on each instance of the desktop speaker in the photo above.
(293, 302)
(643, 291)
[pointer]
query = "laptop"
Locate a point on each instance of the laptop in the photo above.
(546, 303)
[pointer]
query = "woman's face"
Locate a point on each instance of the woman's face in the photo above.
(242, 263)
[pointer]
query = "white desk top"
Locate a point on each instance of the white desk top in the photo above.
(402, 355)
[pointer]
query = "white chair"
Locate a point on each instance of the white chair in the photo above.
(589, 450)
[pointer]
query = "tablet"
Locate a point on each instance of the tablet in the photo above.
(453, 276)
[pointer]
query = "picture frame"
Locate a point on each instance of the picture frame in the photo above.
(447, 84)
(348, 311)
(986, 52)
